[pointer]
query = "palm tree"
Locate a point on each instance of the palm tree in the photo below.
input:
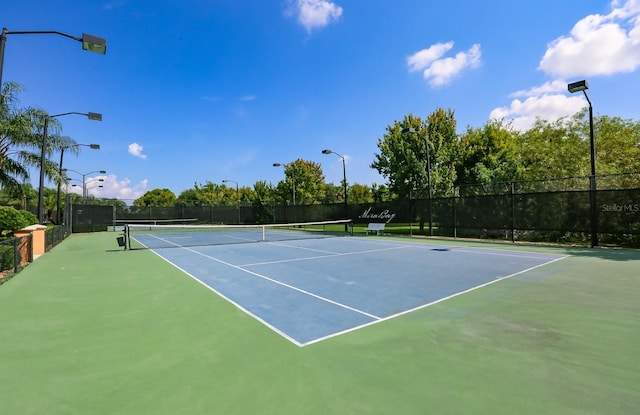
(21, 141)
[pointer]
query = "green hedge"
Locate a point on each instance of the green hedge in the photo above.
(12, 219)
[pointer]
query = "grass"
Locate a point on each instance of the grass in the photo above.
(89, 328)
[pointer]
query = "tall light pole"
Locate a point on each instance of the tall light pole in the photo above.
(84, 181)
(92, 116)
(426, 140)
(577, 87)
(344, 184)
(93, 147)
(293, 181)
(89, 42)
(237, 194)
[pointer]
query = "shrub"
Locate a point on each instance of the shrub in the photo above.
(12, 219)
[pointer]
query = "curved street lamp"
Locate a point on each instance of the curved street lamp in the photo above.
(84, 182)
(43, 146)
(577, 87)
(237, 194)
(89, 42)
(91, 146)
(293, 181)
(344, 184)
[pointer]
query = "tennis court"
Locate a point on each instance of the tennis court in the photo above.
(92, 328)
(335, 285)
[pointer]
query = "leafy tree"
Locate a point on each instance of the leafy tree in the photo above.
(444, 149)
(21, 141)
(12, 219)
(15, 132)
(489, 155)
(381, 193)
(403, 155)
(332, 193)
(156, 198)
(401, 160)
(305, 180)
(359, 193)
(192, 197)
(617, 145)
(263, 199)
(554, 150)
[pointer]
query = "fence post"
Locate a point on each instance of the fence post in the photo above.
(16, 256)
(513, 213)
(455, 225)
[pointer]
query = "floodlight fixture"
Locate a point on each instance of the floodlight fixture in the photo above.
(578, 86)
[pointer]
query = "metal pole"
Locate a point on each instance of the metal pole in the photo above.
(593, 199)
(238, 195)
(43, 145)
(58, 213)
(293, 182)
(429, 186)
(3, 40)
(344, 183)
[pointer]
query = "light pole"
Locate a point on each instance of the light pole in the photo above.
(237, 194)
(293, 181)
(84, 182)
(577, 87)
(93, 147)
(426, 140)
(89, 42)
(92, 116)
(344, 184)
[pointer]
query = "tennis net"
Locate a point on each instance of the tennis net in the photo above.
(154, 236)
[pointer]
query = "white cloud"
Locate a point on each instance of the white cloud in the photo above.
(312, 14)
(439, 71)
(424, 58)
(112, 188)
(135, 149)
(597, 44)
(548, 101)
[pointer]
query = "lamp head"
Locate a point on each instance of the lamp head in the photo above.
(94, 116)
(409, 130)
(94, 44)
(277, 164)
(578, 86)
(102, 172)
(94, 146)
(327, 151)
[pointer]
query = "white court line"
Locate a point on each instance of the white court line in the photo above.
(440, 300)
(330, 255)
(240, 307)
(377, 319)
(355, 310)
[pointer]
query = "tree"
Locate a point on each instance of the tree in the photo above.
(489, 155)
(617, 148)
(444, 150)
(156, 198)
(403, 155)
(359, 193)
(15, 132)
(304, 182)
(21, 141)
(554, 150)
(402, 158)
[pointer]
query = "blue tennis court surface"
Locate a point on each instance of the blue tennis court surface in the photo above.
(310, 290)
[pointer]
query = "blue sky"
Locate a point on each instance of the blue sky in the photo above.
(204, 90)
